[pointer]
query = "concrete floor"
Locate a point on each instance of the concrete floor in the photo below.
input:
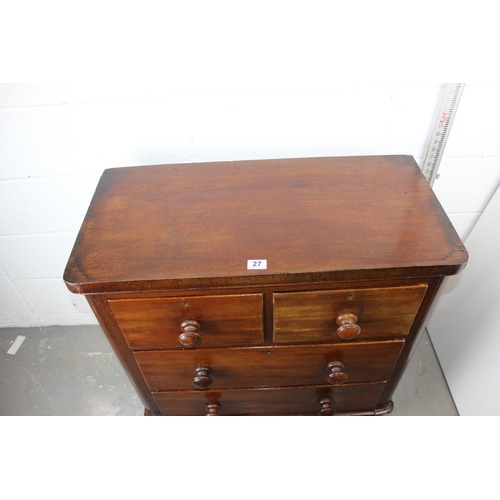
(73, 371)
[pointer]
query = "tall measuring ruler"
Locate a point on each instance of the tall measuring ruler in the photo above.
(446, 114)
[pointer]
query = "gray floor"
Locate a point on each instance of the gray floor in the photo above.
(73, 371)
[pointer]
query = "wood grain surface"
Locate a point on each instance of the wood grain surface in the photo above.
(273, 401)
(186, 225)
(311, 316)
(270, 366)
(224, 320)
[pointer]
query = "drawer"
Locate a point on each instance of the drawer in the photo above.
(340, 315)
(189, 322)
(273, 366)
(277, 401)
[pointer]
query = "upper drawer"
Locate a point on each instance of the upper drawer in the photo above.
(326, 316)
(214, 320)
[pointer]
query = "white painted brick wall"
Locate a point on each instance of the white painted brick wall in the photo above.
(56, 139)
(470, 171)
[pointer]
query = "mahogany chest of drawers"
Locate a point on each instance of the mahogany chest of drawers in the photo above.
(271, 287)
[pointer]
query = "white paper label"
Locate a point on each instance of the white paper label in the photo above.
(256, 264)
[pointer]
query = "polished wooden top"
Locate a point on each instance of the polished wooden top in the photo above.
(319, 219)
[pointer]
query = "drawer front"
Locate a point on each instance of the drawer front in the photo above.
(273, 366)
(190, 322)
(340, 315)
(322, 400)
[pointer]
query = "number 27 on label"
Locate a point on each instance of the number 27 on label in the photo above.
(256, 264)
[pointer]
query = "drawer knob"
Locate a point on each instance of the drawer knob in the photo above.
(336, 376)
(212, 409)
(201, 378)
(348, 329)
(326, 407)
(190, 336)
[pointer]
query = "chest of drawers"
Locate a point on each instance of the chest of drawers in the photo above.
(271, 287)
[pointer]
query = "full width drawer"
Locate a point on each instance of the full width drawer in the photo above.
(273, 366)
(214, 320)
(323, 400)
(340, 315)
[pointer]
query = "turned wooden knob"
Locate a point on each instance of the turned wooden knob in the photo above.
(326, 407)
(190, 336)
(336, 376)
(348, 329)
(212, 409)
(201, 378)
